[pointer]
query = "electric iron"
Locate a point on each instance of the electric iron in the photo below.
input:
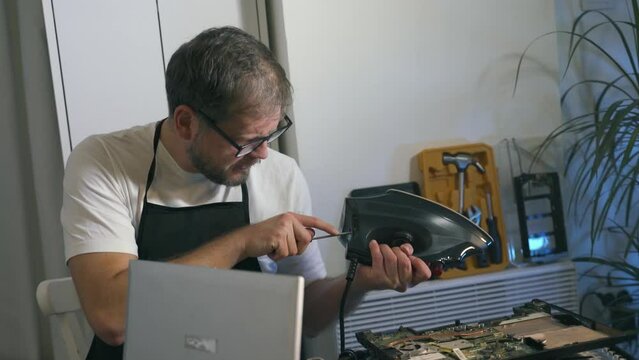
(439, 236)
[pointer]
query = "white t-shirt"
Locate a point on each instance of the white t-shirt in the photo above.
(104, 186)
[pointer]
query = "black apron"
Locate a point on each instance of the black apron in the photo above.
(167, 232)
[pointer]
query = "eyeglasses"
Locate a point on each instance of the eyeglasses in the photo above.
(255, 143)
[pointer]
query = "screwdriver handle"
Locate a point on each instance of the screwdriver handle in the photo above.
(494, 251)
(495, 248)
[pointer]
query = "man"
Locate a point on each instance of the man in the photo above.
(202, 188)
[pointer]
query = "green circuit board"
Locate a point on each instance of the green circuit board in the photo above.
(533, 332)
(472, 341)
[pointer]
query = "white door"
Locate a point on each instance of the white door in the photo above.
(106, 62)
(108, 57)
(182, 20)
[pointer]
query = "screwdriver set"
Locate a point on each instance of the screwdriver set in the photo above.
(464, 178)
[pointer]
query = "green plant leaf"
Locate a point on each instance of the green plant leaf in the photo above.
(621, 266)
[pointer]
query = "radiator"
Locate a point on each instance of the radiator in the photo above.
(468, 299)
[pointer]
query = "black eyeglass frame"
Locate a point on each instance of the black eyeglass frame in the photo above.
(243, 150)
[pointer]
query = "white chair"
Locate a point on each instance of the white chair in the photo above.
(58, 299)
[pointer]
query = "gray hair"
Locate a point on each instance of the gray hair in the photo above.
(225, 73)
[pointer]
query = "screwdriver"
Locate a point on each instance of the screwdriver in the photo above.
(495, 247)
(329, 236)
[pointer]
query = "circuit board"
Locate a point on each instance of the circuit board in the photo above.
(536, 330)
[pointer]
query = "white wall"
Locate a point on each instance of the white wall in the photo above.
(378, 81)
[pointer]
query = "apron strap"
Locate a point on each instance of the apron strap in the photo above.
(151, 173)
(245, 203)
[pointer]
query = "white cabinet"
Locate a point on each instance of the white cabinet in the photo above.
(106, 62)
(108, 57)
(182, 20)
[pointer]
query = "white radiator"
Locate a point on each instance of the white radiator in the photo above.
(468, 299)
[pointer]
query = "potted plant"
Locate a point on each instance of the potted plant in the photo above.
(602, 150)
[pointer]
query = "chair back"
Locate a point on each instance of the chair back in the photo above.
(58, 300)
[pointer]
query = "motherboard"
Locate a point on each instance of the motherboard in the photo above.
(536, 330)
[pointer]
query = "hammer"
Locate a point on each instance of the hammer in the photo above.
(462, 161)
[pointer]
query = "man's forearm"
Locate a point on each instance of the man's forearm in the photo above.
(101, 282)
(221, 253)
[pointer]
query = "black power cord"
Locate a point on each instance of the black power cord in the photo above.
(350, 275)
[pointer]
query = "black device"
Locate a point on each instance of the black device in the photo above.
(439, 235)
(540, 212)
(409, 187)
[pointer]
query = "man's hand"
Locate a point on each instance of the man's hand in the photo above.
(282, 235)
(393, 268)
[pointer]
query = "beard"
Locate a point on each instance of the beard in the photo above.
(230, 175)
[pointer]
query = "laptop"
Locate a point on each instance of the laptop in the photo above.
(186, 312)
